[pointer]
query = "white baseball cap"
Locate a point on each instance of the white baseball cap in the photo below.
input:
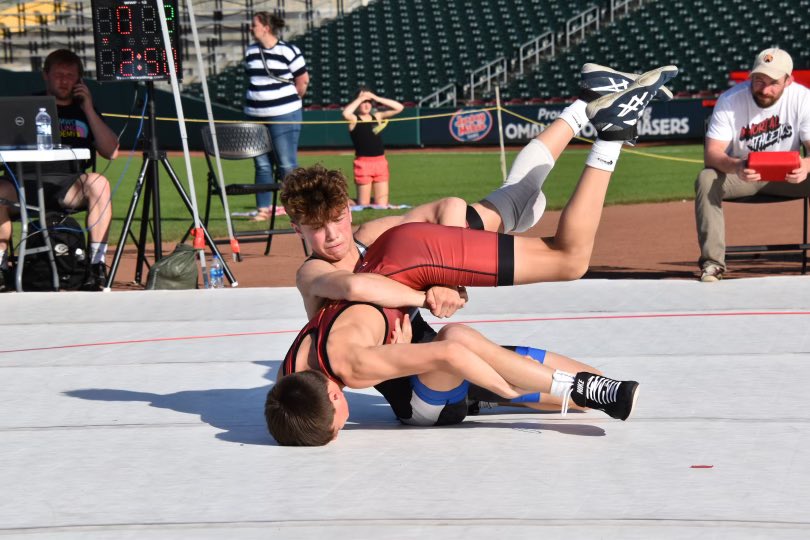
(775, 63)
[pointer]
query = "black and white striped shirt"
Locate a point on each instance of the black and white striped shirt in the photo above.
(265, 96)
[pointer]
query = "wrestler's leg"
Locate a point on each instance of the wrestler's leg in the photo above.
(518, 204)
(586, 389)
(548, 402)
(567, 255)
(516, 369)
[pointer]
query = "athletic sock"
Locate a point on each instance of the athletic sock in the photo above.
(604, 155)
(520, 201)
(3, 259)
(98, 252)
(562, 385)
(574, 115)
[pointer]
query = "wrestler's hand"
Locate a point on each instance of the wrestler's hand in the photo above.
(445, 301)
(402, 331)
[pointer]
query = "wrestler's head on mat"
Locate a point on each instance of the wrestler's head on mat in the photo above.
(317, 201)
(305, 409)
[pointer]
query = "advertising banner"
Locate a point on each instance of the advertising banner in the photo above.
(672, 120)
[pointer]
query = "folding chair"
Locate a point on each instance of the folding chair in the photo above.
(764, 199)
(241, 141)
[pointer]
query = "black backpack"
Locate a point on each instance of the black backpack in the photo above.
(67, 241)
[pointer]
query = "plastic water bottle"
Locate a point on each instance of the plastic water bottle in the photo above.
(216, 276)
(44, 135)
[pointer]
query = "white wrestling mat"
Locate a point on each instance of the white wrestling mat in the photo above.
(139, 415)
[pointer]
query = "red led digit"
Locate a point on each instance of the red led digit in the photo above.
(124, 16)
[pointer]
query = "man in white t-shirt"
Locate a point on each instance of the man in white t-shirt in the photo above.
(767, 113)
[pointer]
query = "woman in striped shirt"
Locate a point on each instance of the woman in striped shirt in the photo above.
(278, 79)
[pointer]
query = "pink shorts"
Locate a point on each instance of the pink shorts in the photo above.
(370, 169)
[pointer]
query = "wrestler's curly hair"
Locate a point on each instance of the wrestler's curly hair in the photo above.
(298, 410)
(314, 195)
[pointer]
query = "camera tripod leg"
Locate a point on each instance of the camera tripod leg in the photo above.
(125, 231)
(182, 192)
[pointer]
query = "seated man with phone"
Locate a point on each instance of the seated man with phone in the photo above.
(68, 184)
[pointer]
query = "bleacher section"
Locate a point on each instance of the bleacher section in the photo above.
(707, 39)
(406, 49)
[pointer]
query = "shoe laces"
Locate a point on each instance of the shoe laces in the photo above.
(602, 390)
(566, 401)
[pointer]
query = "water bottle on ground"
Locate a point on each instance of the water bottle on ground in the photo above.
(216, 276)
(44, 135)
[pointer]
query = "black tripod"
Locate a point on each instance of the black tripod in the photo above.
(152, 156)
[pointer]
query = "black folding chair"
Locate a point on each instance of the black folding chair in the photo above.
(241, 141)
(764, 199)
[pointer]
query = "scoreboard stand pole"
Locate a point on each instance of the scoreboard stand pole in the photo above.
(149, 175)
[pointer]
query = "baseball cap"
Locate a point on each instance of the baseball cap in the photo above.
(775, 63)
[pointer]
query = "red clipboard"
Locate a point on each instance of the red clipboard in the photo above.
(774, 166)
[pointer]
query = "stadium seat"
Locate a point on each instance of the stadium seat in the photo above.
(767, 199)
(236, 142)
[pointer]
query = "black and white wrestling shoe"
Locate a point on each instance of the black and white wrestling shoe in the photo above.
(615, 116)
(598, 81)
(615, 398)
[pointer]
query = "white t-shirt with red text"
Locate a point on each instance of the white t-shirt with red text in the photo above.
(782, 127)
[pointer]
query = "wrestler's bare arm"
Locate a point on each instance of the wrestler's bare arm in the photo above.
(318, 281)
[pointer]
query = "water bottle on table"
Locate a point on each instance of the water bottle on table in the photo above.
(44, 135)
(216, 275)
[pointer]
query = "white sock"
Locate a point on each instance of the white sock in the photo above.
(520, 201)
(561, 383)
(574, 115)
(3, 261)
(604, 155)
(98, 252)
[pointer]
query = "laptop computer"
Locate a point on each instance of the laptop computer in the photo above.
(18, 130)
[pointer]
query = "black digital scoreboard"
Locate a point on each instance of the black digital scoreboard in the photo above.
(129, 40)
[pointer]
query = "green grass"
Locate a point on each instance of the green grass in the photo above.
(416, 178)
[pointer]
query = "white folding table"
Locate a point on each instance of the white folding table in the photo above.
(37, 157)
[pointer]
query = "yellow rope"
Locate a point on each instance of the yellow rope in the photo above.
(626, 150)
(408, 119)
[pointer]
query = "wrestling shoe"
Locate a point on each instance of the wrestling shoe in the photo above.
(474, 406)
(598, 81)
(616, 398)
(96, 277)
(6, 279)
(615, 116)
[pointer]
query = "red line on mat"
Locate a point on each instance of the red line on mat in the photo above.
(473, 321)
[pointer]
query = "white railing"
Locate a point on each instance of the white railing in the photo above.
(445, 95)
(539, 46)
(495, 70)
(622, 5)
(576, 26)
